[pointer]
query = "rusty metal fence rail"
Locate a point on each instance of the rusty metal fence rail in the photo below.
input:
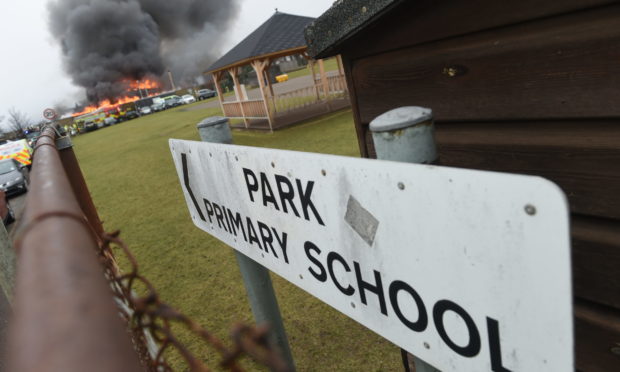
(74, 309)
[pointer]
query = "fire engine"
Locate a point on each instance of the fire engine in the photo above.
(117, 112)
(90, 121)
(96, 119)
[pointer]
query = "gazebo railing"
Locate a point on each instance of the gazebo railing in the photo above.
(318, 97)
(337, 86)
(254, 108)
(295, 99)
(310, 95)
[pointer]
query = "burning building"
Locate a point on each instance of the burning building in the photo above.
(134, 91)
(119, 50)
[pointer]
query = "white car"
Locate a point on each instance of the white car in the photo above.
(159, 104)
(109, 121)
(145, 110)
(188, 98)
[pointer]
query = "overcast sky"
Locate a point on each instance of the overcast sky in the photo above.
(31, 74)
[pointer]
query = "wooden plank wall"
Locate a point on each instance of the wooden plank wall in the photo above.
(523, 88)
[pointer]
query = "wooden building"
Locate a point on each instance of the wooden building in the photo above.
(280, 36)
(516, 86)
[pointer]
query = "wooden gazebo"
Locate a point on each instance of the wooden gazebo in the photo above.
(280, 36)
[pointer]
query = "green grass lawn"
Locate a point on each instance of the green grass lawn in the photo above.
(133, 182)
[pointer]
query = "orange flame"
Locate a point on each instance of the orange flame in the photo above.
(144, 84)
(133, 85)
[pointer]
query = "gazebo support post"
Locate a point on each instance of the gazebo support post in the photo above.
(259, 68)
(270, 86)
(217, 77)
(316, 87)
(268, 77)
(324, 82)
(234, 74)
(340, 65)
(270, 90)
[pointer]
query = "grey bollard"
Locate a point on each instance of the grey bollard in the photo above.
(215, 129)
(406, 134)
(256, 278)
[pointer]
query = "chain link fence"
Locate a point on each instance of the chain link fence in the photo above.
(150, 321)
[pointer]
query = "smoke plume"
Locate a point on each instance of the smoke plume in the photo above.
(107, 43)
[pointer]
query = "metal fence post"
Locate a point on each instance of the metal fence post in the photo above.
(78, 184)
(406, 134)
(255, 277)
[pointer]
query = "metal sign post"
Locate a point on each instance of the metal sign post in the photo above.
(406, 134)
(256, 278)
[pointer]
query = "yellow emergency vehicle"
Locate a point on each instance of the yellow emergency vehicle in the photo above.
(18, 150)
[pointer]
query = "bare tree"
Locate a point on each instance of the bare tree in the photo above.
(18, 120)
(2, 128)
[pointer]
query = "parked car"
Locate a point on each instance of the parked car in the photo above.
(188, 98)
(172, 101)
(206, 93)
(109, 121)
(13, 177)
(159, 104)
(131, 114)
(90, 126)
(6, 212)
(145, 110)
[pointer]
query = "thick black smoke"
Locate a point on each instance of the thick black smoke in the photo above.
(107, 43)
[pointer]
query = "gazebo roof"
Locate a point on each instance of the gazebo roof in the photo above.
(281, 33)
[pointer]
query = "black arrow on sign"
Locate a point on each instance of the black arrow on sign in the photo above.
(188, 188)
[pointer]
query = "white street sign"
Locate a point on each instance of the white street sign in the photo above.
(467, 270)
